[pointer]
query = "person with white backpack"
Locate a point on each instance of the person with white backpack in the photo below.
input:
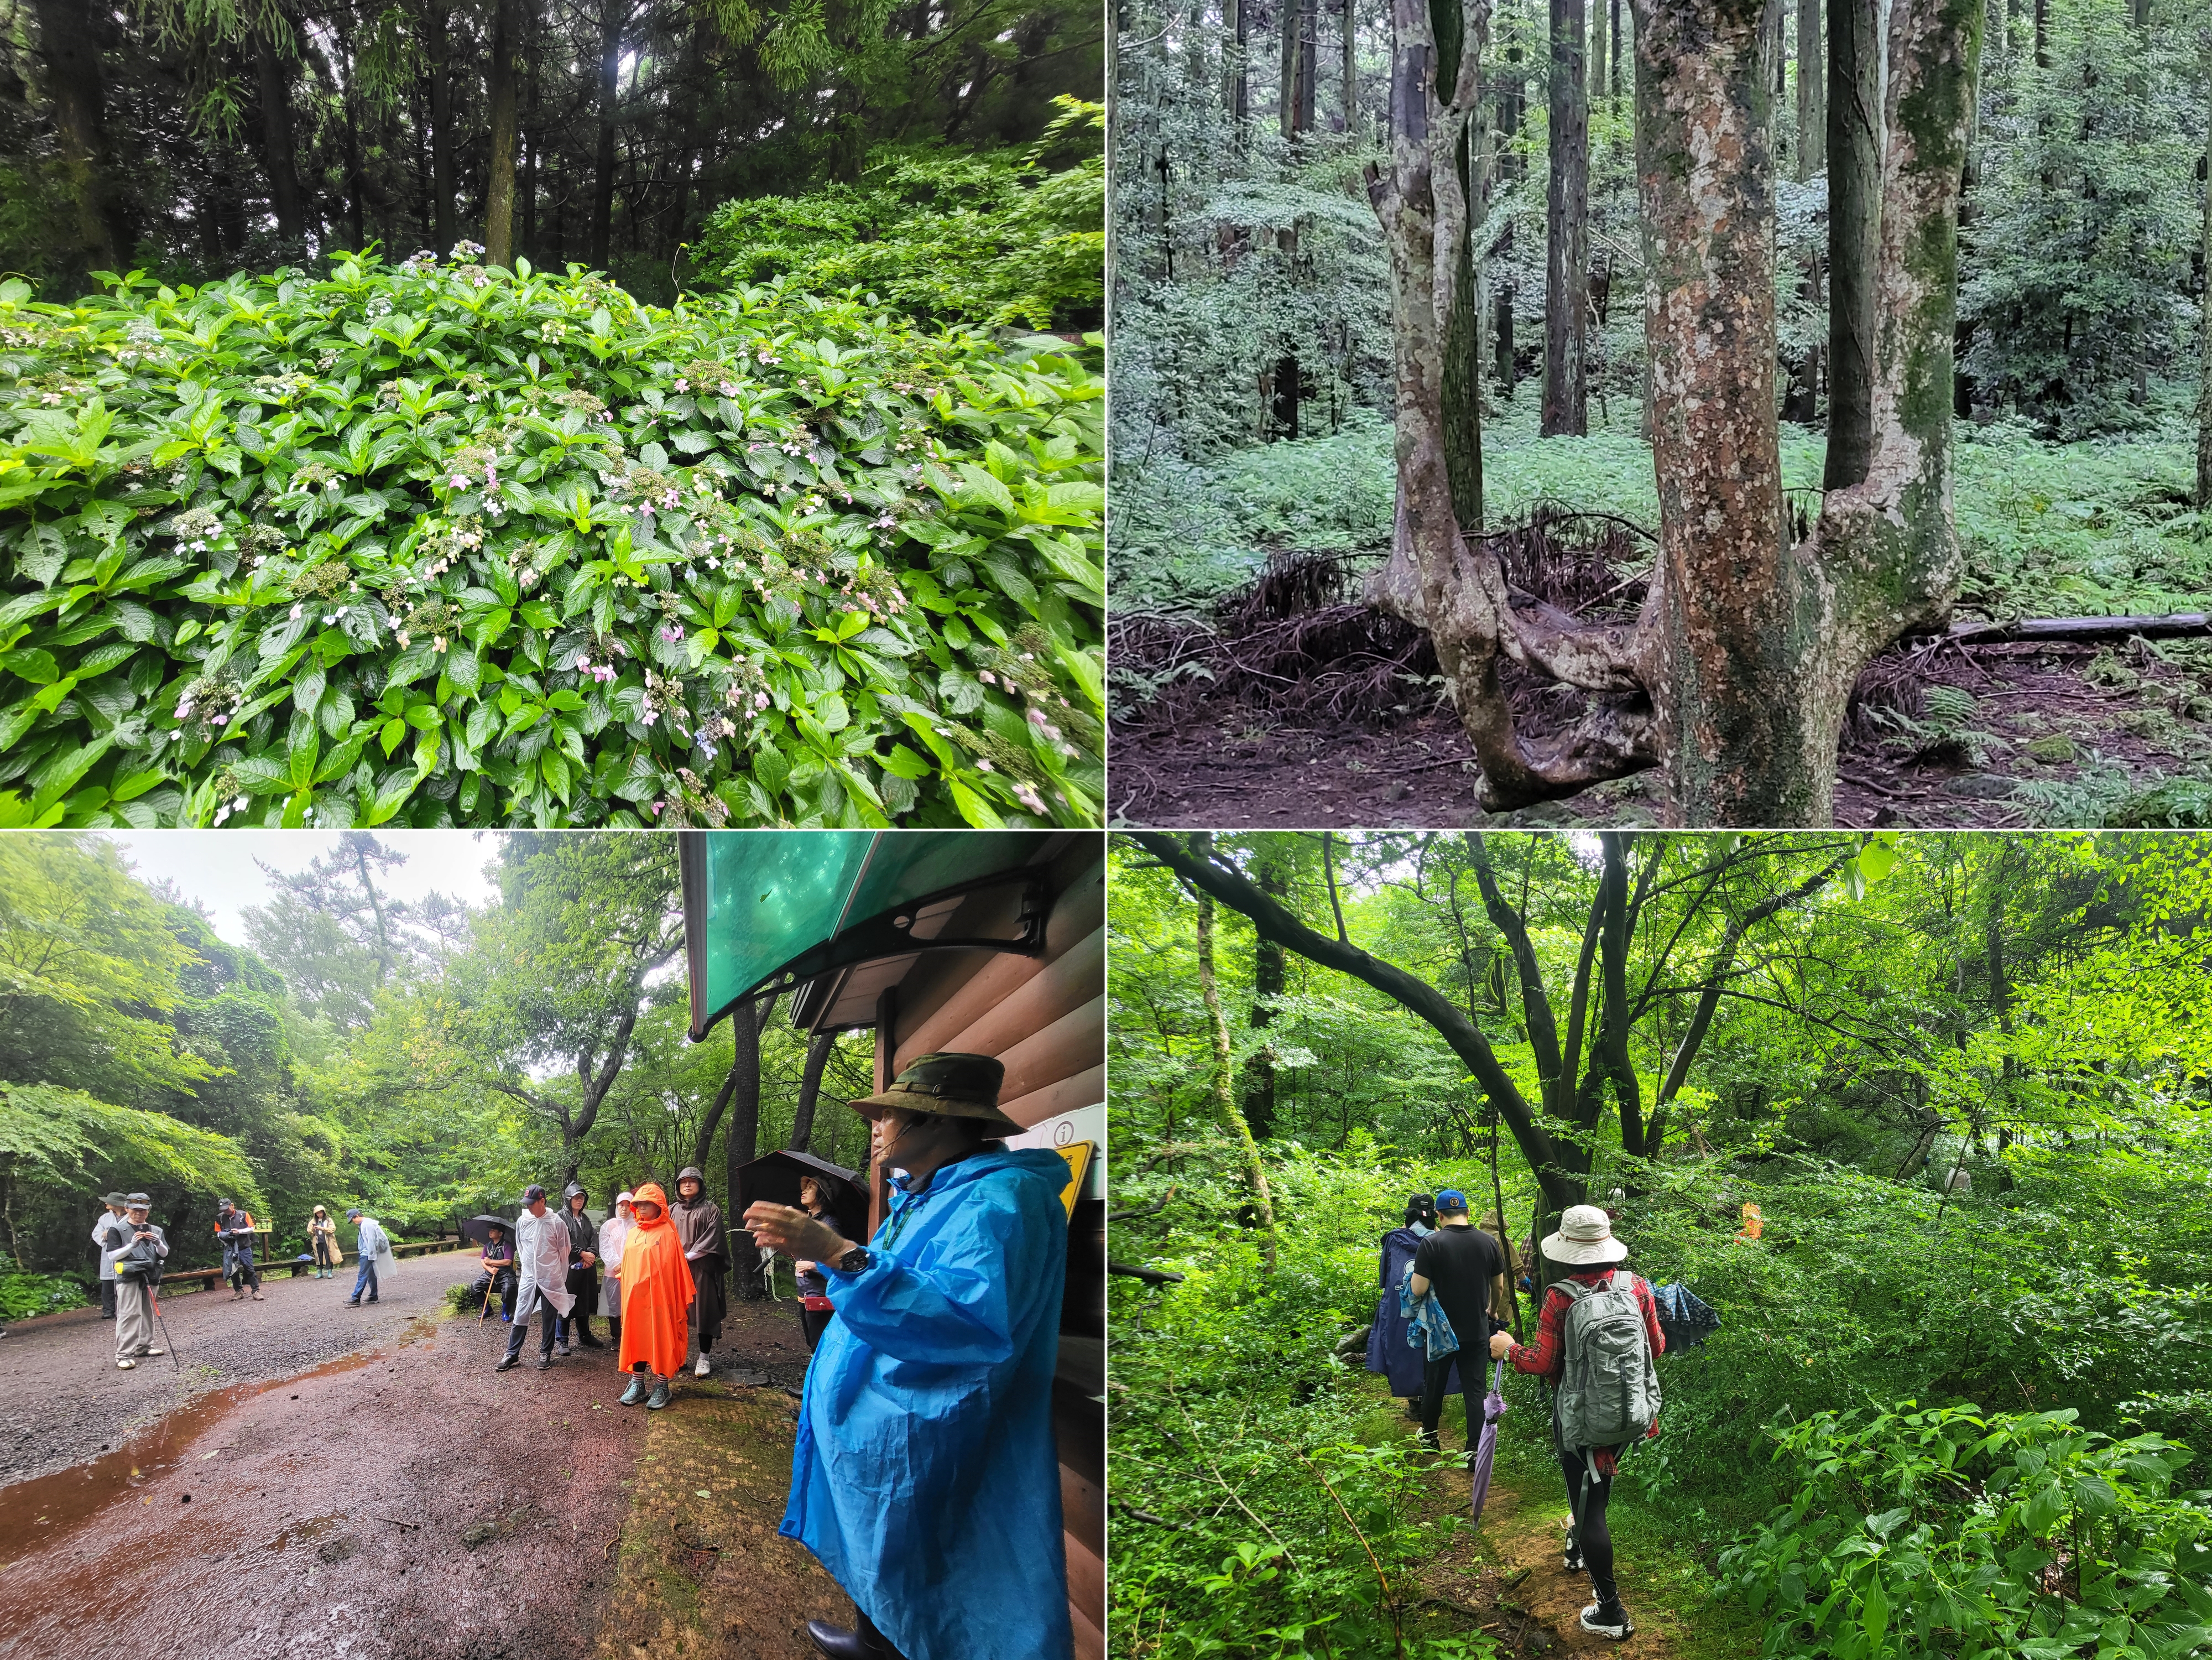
(1597, 1340)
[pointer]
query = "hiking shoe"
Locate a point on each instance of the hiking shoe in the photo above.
(509, 1364)
(258, 1297)
(636, 1392)
(1575, 1564)
(660, 1396)
(703, 1368)
(126, 1363)
(592, 1343)
(1599, 1620)
(561, 1349)
(156, 1350)
(544, 1363)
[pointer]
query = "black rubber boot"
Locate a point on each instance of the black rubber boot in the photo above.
(865, 1642)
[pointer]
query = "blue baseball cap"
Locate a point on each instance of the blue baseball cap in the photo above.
(1451, 1198)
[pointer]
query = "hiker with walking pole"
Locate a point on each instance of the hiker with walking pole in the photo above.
(135, 1249)
(1597, 1338)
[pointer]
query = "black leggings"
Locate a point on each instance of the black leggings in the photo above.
(1592, 1536)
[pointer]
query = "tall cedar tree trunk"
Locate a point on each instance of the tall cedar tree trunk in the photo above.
(1596, 65)
(1855, 183)
(1349, 96)
(1463, 367)
(689, 89)
(2204, 381)
(356, 212)
(273, 85)
(1288, 14)
(1219, 1078)
(613, 13)
(532, 138)
(1566, 229)
(499, 192)
(1238, 94)
(1761, 641)
(1308, 60)
(71, 35)
(810, 1090)
(1812, 93)
(438, 48)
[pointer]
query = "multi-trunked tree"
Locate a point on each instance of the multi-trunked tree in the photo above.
(1734, 676)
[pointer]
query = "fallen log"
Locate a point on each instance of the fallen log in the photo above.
(2174, 626)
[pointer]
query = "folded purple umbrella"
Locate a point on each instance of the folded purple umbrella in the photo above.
(1486, 1448)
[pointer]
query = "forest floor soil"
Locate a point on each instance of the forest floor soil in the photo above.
(399, 1499)
(2045, 718)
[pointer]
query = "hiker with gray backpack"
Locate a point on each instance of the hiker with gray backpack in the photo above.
(1597, 1340)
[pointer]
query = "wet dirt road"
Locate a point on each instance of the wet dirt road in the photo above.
(63, 1401)
(401, 1502)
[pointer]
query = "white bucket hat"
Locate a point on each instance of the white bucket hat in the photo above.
(1585, 1236)
(625, 1197)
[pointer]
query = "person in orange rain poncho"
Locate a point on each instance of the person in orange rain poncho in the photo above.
(656, 1294)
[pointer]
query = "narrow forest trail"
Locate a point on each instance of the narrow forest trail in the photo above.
(1508, 1574)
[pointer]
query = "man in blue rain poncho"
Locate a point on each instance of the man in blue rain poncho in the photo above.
(925, 1477)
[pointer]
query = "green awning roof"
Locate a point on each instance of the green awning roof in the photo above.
(778, 908)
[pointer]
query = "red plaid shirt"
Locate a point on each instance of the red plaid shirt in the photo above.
(1546, 1356)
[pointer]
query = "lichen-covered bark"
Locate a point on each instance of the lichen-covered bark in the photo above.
(1755, 644)
(1721, 604)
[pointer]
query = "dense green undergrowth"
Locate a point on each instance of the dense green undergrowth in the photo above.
(2100, 527)
(2086, 1281)
(437, 544)
(993, 238)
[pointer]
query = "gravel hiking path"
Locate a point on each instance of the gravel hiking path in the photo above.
(63, 1400)
(359, 1484)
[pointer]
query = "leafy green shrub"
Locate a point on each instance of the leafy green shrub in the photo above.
(434, 544)
(1944, 1531)
(989, 238)
(23, 1296)
(1259, 1520)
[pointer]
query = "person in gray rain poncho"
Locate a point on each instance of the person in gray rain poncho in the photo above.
(235, 1228)
(541, 1271)
(698, 1222)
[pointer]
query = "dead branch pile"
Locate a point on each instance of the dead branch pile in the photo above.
(1298, 642)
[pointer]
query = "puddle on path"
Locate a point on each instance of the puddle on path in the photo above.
(47, 1508)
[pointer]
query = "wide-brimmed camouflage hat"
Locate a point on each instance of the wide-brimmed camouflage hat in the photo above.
(957, 1086)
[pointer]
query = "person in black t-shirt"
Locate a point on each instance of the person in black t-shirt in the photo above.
(1456, 1265)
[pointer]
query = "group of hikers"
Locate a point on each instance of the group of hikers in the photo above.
(924, 1474)
(1449, 1292)
(132, 1248)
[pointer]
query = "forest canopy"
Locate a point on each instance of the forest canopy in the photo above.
(1963, 1078)
(421, 1058)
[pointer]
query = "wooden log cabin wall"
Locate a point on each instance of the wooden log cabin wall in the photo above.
(1043, 1017)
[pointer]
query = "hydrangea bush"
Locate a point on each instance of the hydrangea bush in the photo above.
(441, 544)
